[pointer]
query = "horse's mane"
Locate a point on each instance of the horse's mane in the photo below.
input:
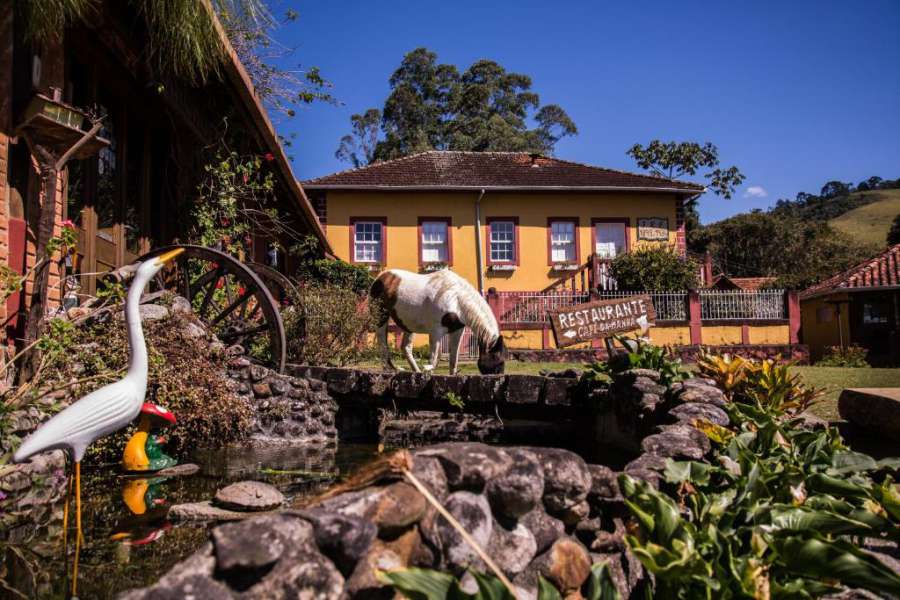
(475, 312)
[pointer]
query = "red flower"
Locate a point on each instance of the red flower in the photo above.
(241, 291)
(269, 156)
(220, 283)
(68, 224)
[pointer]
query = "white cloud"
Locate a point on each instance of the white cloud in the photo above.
(756, 191)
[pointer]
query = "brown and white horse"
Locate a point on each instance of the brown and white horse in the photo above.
(438, 304)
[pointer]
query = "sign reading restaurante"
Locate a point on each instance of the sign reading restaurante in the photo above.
(600, 319)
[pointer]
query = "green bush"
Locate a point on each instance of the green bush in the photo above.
(314, 269)
(852, 356)
(772, 514)
(639, 354)
(655, 268)
(326, 325)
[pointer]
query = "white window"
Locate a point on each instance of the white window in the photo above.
(368, 242)
(562, 242)
(503, 242)
(609, 239)
(435, 242)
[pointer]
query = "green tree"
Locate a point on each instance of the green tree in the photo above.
(683, 159)
(798, 253)
(358, 148)
(675, 160)
(654, 268)
(893, 236)
(432, 106)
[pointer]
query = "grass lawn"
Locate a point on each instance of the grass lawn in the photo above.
(832, 379)
(869, 224)
(835, 379)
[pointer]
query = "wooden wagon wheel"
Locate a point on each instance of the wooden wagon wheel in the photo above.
(281, 288)
(229, 298)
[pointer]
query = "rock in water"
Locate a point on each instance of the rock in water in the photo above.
(249, 496)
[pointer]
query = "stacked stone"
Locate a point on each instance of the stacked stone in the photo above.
(287, 409)
(420, 428)
(536, 511)
(670, 414)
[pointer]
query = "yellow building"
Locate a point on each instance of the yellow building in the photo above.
(504, 220)
(860, 307)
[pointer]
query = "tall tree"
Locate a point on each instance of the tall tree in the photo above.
(675, 160)
(683, 159)
(432, 106)
(358, 148)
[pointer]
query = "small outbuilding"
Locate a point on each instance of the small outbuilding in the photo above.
(860, 306)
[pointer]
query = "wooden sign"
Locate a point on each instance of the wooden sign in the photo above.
(655, 229)
(600, 319)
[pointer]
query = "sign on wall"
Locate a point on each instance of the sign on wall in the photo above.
(654, 229)
(600, 319)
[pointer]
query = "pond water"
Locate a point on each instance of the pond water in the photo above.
(129, 542)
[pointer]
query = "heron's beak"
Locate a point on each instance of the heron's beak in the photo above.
(164, 258)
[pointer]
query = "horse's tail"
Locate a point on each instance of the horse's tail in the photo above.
(476, 313)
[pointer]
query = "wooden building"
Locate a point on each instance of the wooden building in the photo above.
(136, 192)
(860, 306)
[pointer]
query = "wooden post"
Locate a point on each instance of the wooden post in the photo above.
(793, 310)
(694, 317)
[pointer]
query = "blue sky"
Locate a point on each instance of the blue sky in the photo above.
(794, 93)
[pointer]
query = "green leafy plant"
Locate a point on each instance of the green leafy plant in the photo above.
(455, 401)
(640, 354)
(767, 517)
(427, 584)
(852, 356)
(312, 267)
(656, 267)
(766, 384)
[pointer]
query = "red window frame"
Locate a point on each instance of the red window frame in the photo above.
(384, 236)
(487, 241)
(449, 222)
(624, 220)
(550, 222)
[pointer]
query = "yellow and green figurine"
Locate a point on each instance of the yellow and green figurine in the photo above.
(143, 452)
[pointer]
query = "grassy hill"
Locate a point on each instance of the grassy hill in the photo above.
(870, 223)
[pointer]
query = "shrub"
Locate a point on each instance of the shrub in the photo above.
(766, 384)
(640, 354)
(184, 377)
(852, 356)
(313, 268)
(326, 325)
(655, 268)
(770, 515)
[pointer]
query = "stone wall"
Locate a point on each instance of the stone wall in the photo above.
(535, 510)
(287, 409)
(798, 353)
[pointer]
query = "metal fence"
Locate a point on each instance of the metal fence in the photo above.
(669, 306)
(468, 346)
(742, 304)
(532, 307)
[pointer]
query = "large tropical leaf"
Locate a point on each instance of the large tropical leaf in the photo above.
(836, 560)
(600, 585)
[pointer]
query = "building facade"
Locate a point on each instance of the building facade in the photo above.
(135, 192)
(860, 306)
(507, 221)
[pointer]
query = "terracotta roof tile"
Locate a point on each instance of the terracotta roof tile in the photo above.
(880, 271)
(745, 283)
(473, 170)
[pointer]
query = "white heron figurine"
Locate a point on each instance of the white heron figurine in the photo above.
(111, 407)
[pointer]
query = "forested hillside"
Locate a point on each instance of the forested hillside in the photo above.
(804, 240)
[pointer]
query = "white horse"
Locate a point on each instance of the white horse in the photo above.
(438, 304)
